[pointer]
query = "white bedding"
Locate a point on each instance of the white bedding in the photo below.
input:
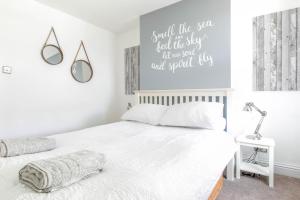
(143, 162)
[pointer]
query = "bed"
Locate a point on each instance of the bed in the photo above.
(143, 161)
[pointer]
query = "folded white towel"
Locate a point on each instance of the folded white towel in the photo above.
(55, 173)
(16, 147)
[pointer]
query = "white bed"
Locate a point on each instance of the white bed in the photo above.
(143, 161)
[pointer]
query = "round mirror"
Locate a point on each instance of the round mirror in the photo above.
(82, 71)
(52, 54)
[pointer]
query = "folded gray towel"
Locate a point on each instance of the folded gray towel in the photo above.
(55, 173)
(16, 147)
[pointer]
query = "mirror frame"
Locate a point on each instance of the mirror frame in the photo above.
(58, 48)
(92, 73)
(87, 61)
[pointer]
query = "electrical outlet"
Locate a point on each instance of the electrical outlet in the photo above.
(6, 69)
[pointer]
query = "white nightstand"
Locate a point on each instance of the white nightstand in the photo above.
(264, 143)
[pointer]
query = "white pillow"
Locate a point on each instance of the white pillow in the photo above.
(146, 113)
(207, 115)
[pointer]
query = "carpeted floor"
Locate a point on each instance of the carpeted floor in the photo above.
(248, 188)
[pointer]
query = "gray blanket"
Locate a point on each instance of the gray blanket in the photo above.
(55, 173)
(16, 147)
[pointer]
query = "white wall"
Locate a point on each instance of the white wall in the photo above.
(124, 40)
(40, 99)
(282, 122)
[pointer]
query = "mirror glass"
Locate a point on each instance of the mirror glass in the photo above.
(52, 54)
(82, 71)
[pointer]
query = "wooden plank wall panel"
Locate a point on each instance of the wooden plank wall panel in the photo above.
(276, 51)
(292, 50)
(298, 48)
(273, 51)
(285, 50)
(254, 51)
(279, 51)
(260, 53)
(132, 63)
(267, 51)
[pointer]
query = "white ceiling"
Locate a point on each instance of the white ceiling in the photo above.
(114, 15)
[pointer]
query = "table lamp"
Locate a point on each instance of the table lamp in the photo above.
(249, 106)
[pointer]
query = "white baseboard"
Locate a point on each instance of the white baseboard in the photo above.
(287, 170)
(281, 168)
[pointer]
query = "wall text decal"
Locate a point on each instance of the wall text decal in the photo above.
(182, 46)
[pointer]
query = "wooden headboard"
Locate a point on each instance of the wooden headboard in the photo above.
(171, 97)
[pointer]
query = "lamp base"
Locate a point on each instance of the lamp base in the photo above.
(253, 137)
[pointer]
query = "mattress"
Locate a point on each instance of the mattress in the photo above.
(144, 162)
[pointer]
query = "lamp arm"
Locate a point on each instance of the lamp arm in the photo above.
(263, 113)
(259, 125)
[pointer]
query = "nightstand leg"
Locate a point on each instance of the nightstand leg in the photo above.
(238, 162)
(230, 170)
(271, 166)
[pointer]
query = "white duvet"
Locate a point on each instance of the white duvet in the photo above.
(143, 162)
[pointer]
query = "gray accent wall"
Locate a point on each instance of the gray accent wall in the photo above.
(186, 46)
